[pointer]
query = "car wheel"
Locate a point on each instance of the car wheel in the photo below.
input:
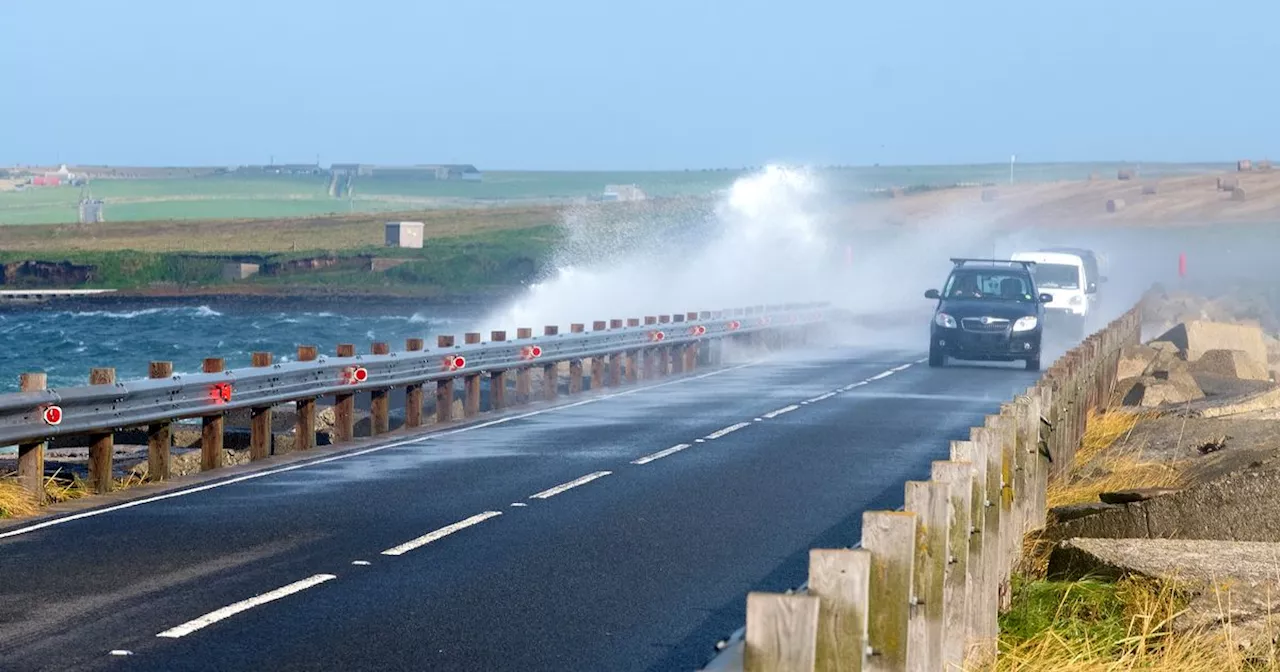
(937, 357)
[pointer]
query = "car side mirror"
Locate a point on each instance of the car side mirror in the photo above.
(932, 294)
(1046, 298)
(1093, 288)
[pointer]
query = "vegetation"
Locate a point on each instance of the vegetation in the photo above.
(1098, 470)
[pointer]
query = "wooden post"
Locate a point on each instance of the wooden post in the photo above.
(101, 444)
(782, 633)
(664, 351)
(31, 455)
(891, 538)
(260, 418)
(550, 372)
(344, 405)
(498, 379)
(575, 365)
(524, 375)
(1003, 435)
(633, 356)
(677, 352)
(929, 501)
(691, 350)
(444, 388)
(840, 579)
(413, 391)
(305, 433)
(471, 383)
(379, 400)
(987, 606)
(598, 362)
(957, 478)
(968, 452)
(213, 428)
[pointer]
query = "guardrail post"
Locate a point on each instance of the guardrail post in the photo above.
(344, 405)
(31, 455)
(929, 501)
(691, 350)
(597, 362)
(957, 478)
(471, 383)
(159, 434)
(664, 351)
(981, 585)
(305, 434)
(988, 607)
(890, 536)
(651, 354)
(379, 400)
(444, 388)
(704, 346)
(213, 427)
(1004, 435)
(633, 356)
(575, 365)
(550, 372)
(678, 352)
(615, 360)
(497, 379)
(413, 391)
(840, 579)
(782, 633)
(260, 418)
(101, 444)
(524, 374)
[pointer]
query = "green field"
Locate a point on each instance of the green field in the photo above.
(269, 196)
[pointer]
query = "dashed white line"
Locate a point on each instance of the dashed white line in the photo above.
(518, 504)
(366, 451)
(921, 361)
(786, 409)
(878, 376)
(120, 652)
(904, 367)
(661, 454)
(727, 430)
(699, 440)
(361, 563)
(552, 492)
(233, 609)
(440, 533)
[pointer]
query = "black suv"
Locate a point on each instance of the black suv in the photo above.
(989, 310)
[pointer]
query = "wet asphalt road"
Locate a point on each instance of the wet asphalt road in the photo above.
(642, 568)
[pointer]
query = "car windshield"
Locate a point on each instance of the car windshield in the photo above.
(1057, 276)
(992, 285)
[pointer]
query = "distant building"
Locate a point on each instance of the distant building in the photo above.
(239, 271)
(404, 234)
(624, 192)
(431, 172)
(357, 169)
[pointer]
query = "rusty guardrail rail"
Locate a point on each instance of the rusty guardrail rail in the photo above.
(924, 587)
(619, 351)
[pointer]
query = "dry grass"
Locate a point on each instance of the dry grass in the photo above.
(1101, 467)
(1089, 626)
(334, 232)
(15, 501)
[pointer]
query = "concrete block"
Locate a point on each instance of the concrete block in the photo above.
(1231, 363)
(1196, 337)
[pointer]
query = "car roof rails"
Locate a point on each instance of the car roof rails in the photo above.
(960, 261)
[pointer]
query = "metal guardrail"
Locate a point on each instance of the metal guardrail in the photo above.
(134, 403)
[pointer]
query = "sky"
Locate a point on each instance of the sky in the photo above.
(653, 85)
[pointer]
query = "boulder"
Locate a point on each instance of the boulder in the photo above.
(1134, 360)
(1230, 363)
(1134, 495)
(1176, 387)
(1196, 337)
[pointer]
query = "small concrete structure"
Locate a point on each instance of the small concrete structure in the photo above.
(624, 192)
(404, 234)
(238, 271)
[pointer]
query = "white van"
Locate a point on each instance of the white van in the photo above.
(1066, 277)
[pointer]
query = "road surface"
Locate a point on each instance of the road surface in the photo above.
(619, 533)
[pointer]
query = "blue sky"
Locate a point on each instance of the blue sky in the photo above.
(660, 84)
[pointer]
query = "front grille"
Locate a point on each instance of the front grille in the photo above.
(993, 324)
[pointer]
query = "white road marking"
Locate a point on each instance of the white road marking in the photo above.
(365, 451)
(661, 454)
(552, 492)
(786, 409)
(904, 367)
(233, 609)
(878, 376)
(759, 420)
(699, 440)
(440, 533)
(518, 504)
(361, 563)
(921, 361)
(727, 430)
(120, 652)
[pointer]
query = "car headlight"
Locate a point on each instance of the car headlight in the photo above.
(945, 320)
(1025, 324)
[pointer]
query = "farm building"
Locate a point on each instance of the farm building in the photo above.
(404, 234)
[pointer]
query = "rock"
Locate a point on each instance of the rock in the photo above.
(1231, 363)
(1196, 337)
(1134, 360)
(1135, 495)
(1165, 387)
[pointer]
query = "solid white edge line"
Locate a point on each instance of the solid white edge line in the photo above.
(441, 533)
(786, 409)
(365, 451)
(727, 430)
(904, 367)
(233, 609)
(661, 454)
(552, 492)
(878, 376)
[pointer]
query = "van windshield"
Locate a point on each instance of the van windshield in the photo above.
(1057, 276)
